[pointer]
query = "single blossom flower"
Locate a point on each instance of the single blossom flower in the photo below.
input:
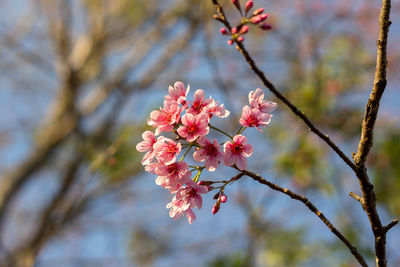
(166, 150)
(210, 152)
(173, 176)
(256, 100)
(193, 126)
(217, 110)
(253, 117)
(199, 104)
(151, 168)
(186, 198)
(147, 146)
(236, 152)
(177, 93)
(165, 118)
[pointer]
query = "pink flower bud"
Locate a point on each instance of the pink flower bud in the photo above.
(240, 39)
(248, 6)
(258, 11)
(223, 31)
(259, 18)
(244, 29)
(265, 27)
(215, 208)
(264, 17)
(234, 30)
(223, 198)
(255, 19)
(230, 42)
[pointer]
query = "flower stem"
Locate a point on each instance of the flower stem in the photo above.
(212, 127)
(242, 130)
(187, 151)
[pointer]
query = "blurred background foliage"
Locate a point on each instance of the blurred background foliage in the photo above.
(79, 79)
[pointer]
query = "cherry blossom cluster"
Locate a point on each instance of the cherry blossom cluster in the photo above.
(256, 18)
(185, 124)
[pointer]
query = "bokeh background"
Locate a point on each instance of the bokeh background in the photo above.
(79, 78)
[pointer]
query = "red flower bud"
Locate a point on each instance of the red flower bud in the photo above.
(234, 30)
(215, 208)
(223, 198)
(223, 31)
(265, 27)
(237, 4)
(258, 11)
(244, 29)
(240, 39)
(264, 17)
(248, 6)
(205, 183)
(230, 42)
(259, 18)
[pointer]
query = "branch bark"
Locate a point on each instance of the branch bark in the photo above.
(312, 208)
(368, 199)
(272, 88)
(366, 140)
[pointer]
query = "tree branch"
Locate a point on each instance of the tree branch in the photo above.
(365, 144)
(313, 209)
(272, 88)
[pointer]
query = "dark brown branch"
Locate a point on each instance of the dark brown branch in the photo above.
(313, 209)
(390, 225)
(366, 140)
(281, 97)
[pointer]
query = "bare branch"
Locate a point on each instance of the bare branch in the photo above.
(313, 209)
(272, 88)
(391, 224)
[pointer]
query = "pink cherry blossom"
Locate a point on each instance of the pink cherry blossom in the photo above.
(165, 118)
(236, 152)
(193, 126)
(166, 150)
(151, 168)
(199, 104)
(172, 176)
(210, 152)
(177, 93)
(217, 110)
(256, 100)
(186, 198)
(147, 146)
(254, 118)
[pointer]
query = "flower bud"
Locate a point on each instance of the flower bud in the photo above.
(240, 39)
(259, 18)
(230, 42)
(223, 198)
(255, 19)
(258, 11)
(237, 4)
(244, 29)
(215, 208)
(264, 17)
(205, 183)
(234, 30)
(223, 31)
(265, 27)
(248, 6)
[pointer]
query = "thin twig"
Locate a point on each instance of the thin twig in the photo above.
(391, 224)
(313, 209)
(275, 91)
